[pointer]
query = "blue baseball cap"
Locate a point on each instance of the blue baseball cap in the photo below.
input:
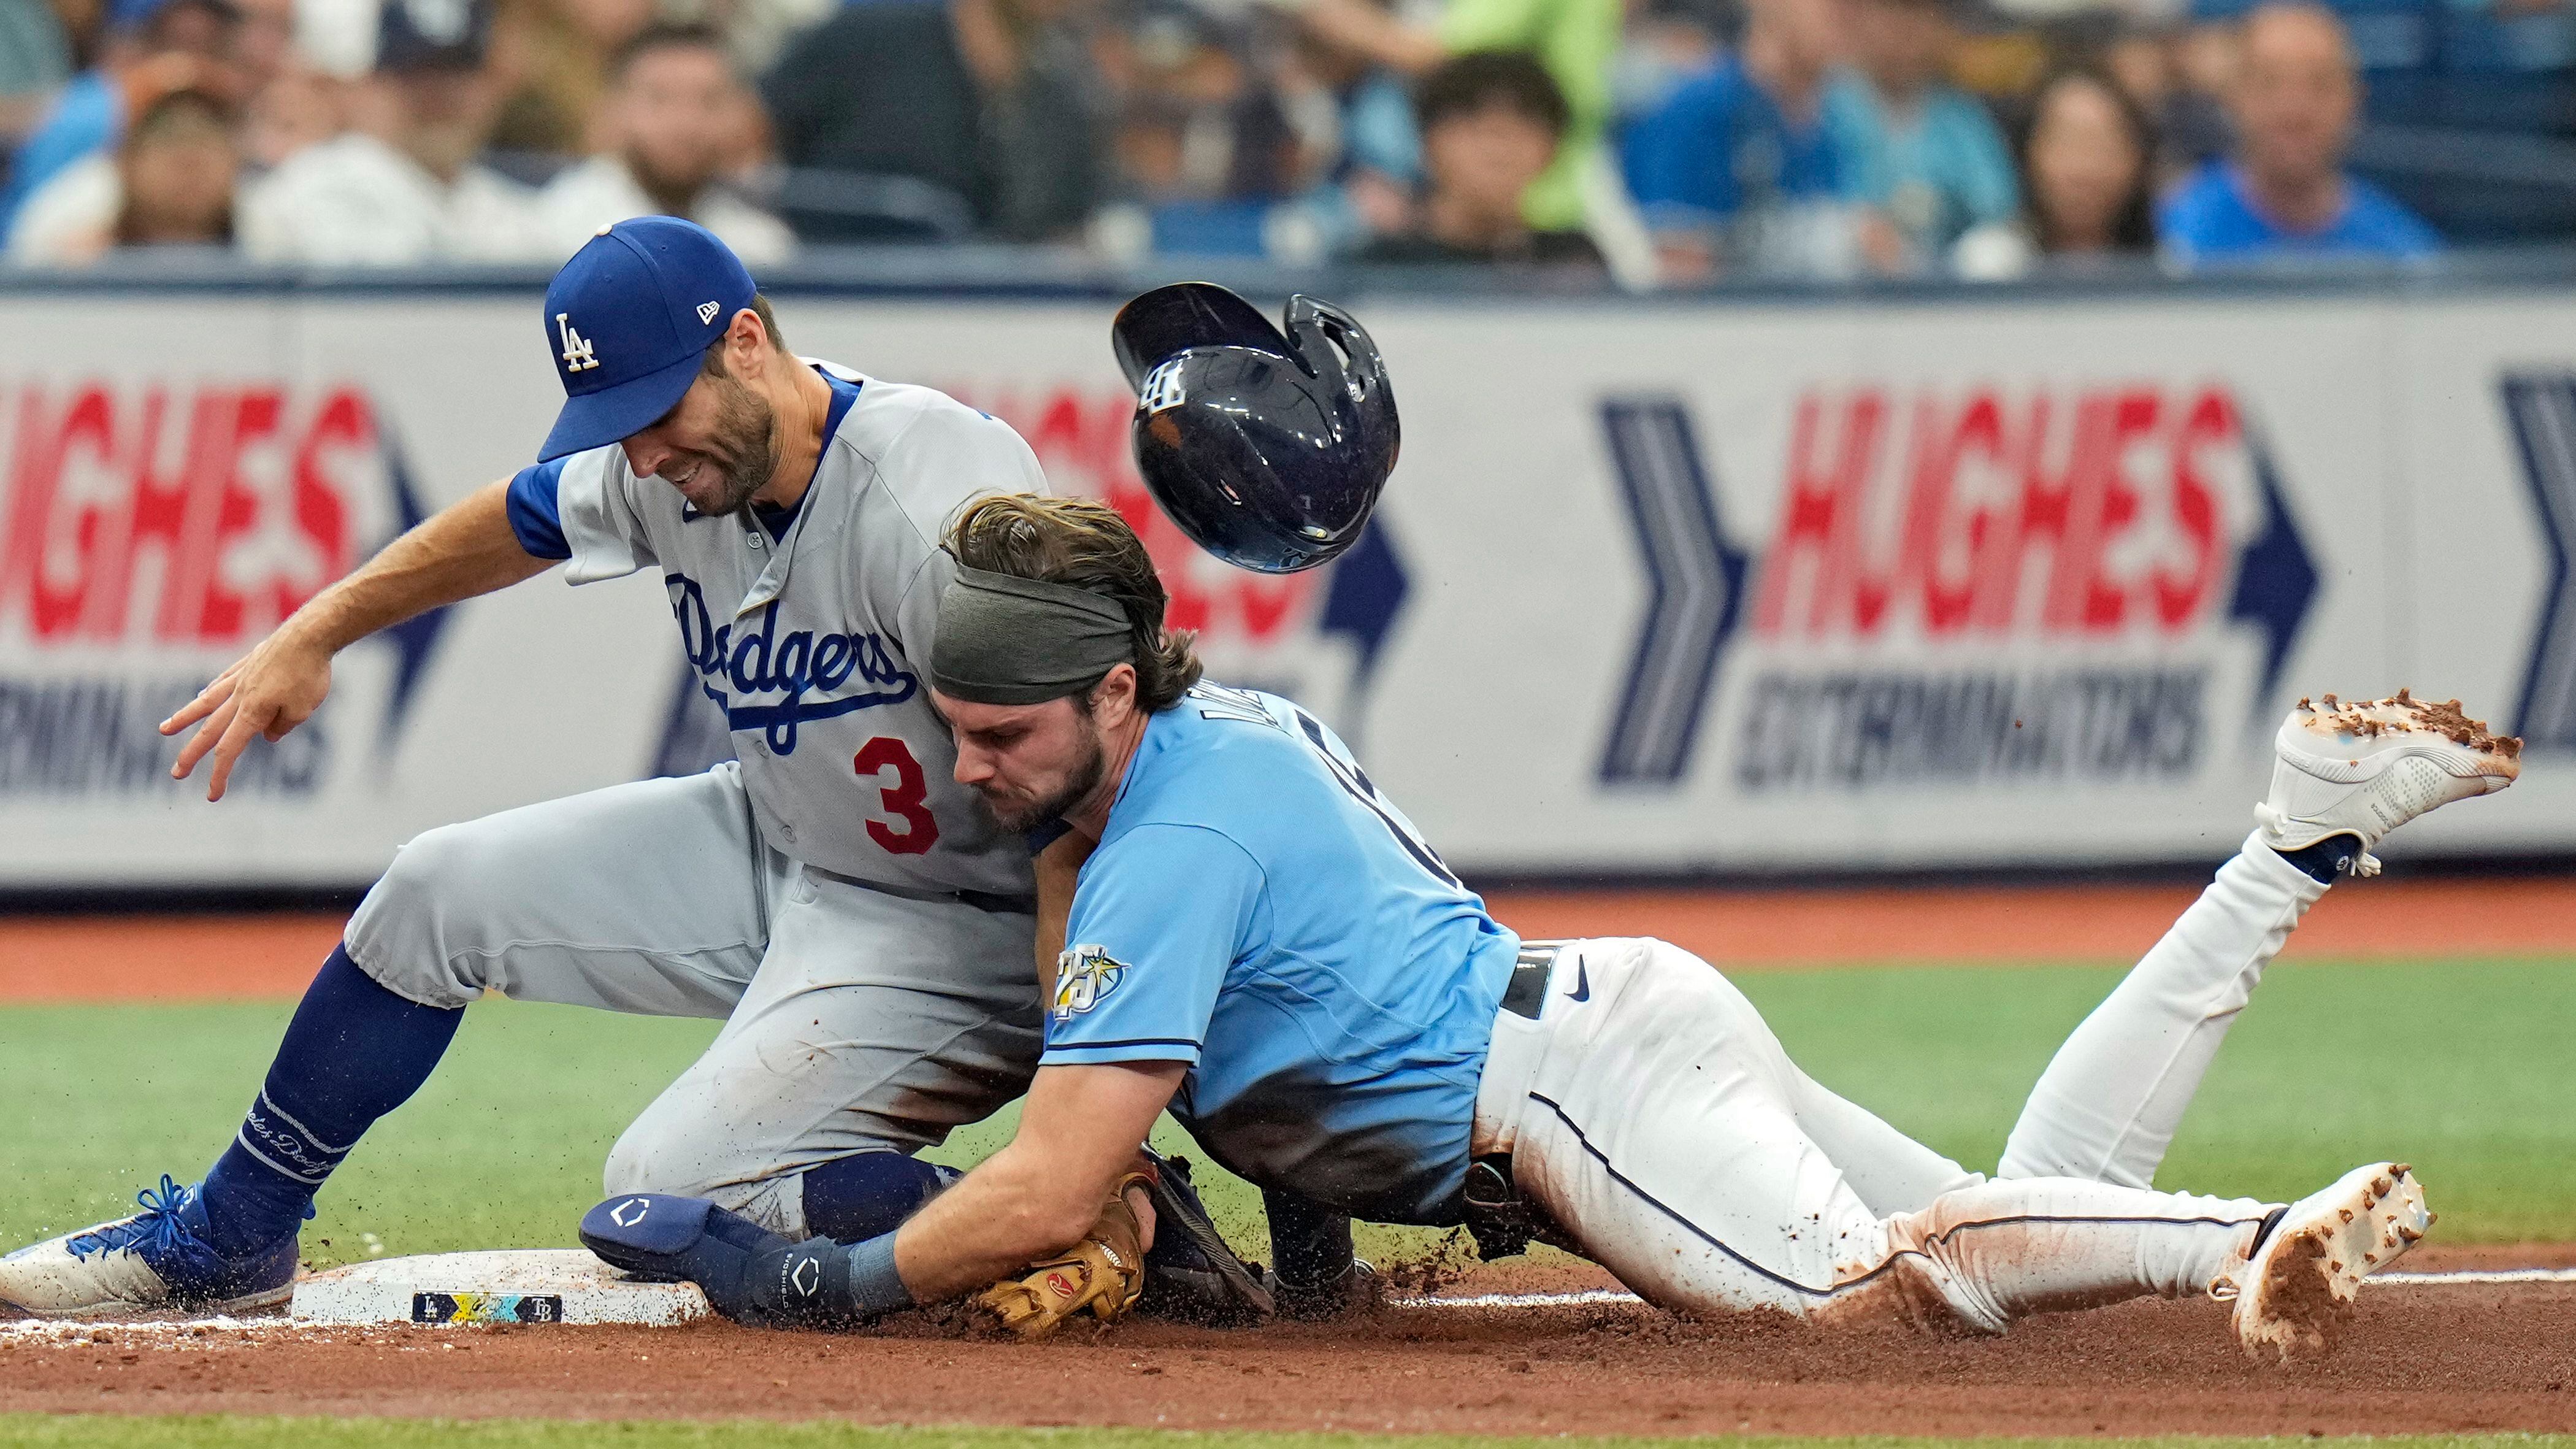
(629, 319)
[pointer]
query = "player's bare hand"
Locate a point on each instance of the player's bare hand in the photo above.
(266, 693)
(1142, 1205)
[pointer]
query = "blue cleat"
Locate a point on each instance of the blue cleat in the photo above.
(1190, 1272)
(749, 1274)
(156, 1259)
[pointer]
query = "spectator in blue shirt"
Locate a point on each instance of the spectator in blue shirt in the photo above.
(1735, 171)
(1920, 153)
(158, 46)
(2285, 191)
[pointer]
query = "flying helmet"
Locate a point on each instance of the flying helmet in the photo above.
(1267, 447)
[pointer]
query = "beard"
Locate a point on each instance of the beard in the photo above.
(1081, 781)
(739, 447)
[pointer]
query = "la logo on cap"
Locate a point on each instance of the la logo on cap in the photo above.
(577, 353)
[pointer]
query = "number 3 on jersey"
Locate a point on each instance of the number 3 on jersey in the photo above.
(906, 799)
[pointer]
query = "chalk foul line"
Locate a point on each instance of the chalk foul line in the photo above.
(69, 1330)
(1610, 1296)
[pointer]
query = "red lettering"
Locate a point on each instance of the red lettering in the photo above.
(156, 497)
(1966, 533)
(344, 424)
(2055, 505)
(1815, 542)
(69, 530)
(31, 495)
(255, 418)
(2024, 516)
(2212, 421)
(177, 508)
(2106, 506)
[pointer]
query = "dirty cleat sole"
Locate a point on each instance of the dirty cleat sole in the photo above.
(2295, 1298)
(2365, 767)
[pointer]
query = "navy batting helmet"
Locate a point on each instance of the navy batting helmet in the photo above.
(1267, 449)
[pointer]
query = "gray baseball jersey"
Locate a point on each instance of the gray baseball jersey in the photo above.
(814, 643)
(850, 911)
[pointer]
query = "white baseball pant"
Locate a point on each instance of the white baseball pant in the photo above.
(1654, 1115)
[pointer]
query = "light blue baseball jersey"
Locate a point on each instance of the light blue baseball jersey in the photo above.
(1257, 909)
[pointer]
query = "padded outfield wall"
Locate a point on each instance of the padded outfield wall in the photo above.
(1734, 585)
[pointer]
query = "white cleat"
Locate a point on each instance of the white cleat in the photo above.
(2366, 767)
(2294, 1298)
(154, 1260)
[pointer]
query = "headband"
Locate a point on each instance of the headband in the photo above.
(1003, 639)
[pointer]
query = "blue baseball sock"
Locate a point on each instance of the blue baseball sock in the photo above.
(354, 1052)
(2328, 858)
(851, 1199)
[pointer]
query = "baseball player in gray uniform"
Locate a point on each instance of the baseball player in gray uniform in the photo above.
(855, 916)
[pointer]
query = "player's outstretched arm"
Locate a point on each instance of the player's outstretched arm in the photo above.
(1078, 1134)
(457, 553)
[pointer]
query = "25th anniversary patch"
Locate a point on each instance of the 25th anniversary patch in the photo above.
(1084, 977)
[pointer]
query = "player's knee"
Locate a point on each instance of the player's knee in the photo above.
(657, 1153)
(642, 1162)
(419, 930)
(650, 1159)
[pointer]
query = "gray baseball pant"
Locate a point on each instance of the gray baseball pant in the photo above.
(856, 1019)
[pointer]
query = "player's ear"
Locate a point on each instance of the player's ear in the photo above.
(747, 346)
(1113, 699)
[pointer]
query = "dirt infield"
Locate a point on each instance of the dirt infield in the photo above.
(2422, 1360)
(217, 957)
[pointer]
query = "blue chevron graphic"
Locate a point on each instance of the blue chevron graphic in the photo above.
(2542, 410)
(1695, 581)
(1365, 594)
(2276, 580)
(413, 638)
(1361, 600)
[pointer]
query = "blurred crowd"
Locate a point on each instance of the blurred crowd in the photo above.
(1648, 141)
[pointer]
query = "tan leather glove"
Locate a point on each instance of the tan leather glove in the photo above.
(1104, 1273)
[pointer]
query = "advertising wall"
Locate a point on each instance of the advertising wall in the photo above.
(1693, 587)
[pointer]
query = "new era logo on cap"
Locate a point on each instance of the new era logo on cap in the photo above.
(629, 319)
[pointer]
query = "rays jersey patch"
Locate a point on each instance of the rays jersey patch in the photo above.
(1084, 977)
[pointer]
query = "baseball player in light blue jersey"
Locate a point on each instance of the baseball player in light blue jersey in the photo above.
(1263, 943)
(855, 916)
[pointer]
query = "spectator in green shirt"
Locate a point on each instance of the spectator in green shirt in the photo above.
(1577, 41)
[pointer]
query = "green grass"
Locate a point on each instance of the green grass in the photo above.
(112, 1432)
(2462, 1067)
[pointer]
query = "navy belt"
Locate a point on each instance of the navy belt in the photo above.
(1526, 993)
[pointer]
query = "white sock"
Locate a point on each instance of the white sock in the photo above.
(2003, 1250)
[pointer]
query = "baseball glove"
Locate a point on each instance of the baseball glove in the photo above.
(1104, 1273)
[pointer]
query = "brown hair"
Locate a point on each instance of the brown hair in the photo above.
(1086, 545)
(174, 113)
(1466, 84)
(667, 35)
(712, 365)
